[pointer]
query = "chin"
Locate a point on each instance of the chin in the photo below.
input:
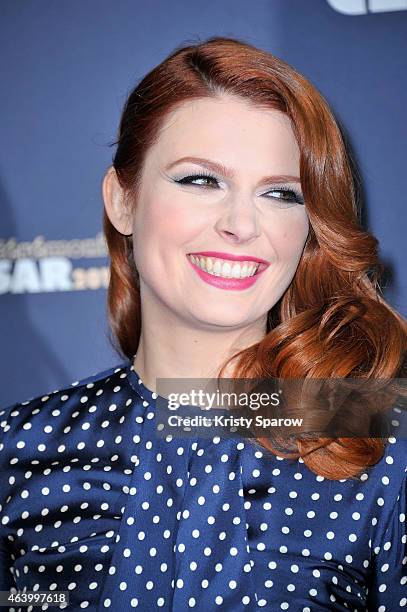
(223, 319)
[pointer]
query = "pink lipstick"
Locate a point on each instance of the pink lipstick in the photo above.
(229, 283)
(231, 256)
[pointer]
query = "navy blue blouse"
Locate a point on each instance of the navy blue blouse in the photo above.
(95, 503)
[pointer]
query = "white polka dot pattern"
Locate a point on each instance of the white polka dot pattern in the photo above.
(94, 502)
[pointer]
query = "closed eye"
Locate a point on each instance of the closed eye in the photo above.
(207, 181)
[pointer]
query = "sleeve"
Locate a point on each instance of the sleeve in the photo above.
(7, 581)
(388, 586)
(6, 577)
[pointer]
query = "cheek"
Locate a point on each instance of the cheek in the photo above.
(292, 236)
(161, 223)
(174, 220)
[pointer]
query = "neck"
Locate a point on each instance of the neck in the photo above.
(175, 349)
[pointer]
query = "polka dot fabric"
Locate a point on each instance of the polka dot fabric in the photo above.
(94, 502)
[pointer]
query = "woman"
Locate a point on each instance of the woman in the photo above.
(225, 154)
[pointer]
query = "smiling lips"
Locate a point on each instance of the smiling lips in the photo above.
(227, 271)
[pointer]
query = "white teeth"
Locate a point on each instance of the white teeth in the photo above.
(225, 269)
(216, 268)
(236, 271)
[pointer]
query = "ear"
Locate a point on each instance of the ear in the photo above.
(113, 197)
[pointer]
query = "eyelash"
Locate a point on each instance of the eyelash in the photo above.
(296, 196)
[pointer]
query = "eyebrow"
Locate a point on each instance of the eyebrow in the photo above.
(228, 173)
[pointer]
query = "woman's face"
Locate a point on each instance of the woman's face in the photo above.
(245, 209)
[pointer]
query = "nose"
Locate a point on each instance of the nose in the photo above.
(239, 221)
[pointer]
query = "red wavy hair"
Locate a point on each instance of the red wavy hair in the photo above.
(332, 320)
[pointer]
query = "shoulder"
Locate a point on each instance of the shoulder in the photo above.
(392, 467)
(385, 483)
(396, 444)
(32, 413)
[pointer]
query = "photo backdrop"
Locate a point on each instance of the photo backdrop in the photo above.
(67, 67)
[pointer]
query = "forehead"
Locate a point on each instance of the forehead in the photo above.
(230, 128)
